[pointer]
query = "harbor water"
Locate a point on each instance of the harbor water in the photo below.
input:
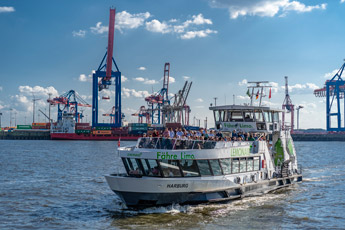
(61, 185)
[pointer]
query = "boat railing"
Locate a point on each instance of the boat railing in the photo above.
(172, 144)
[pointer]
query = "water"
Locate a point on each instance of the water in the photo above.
(60, 185)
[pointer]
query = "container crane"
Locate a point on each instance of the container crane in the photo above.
(288, 106)
(159, 99)
(334, 91)
(179, 111)
(105, 77)
(142, 113)
(70, 102)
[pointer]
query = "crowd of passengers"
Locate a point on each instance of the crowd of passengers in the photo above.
(205, 135)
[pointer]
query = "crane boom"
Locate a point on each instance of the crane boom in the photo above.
(110, 43)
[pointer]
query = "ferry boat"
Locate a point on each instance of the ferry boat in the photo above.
(163, 171)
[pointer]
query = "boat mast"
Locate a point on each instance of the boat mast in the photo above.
(260, 85)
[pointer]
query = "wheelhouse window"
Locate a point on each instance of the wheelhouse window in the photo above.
(226, 165)
(236, 116)
(243, 166)
(256, 163)
(132, 166)
(268, 117)
(170, 168)
(275, 117)
(150, 167)
(217, 171)
(258, 116)
(235, 165)
(189, 168)
(248, 116)
(250, 164)
(204, 168)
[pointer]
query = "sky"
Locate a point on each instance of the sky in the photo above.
(220, 45)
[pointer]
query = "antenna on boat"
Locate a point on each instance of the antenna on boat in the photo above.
(260, 85)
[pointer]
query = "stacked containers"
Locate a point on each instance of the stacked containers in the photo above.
(82, 128)
(24, 127)
(137, 128)
(40, 125)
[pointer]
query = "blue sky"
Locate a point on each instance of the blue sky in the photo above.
(53, 46)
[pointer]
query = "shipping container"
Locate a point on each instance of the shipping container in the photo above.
(103, 128)
(81, 131)
(136, 132)
(39, 123)
(101, 132)
(173, 125)
(137, 125)
(24, 127)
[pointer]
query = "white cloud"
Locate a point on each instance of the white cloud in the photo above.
(199, 100)
(125, 20)
(242, 97)
(244, 82)
(80, 33)
(123, 78)
(38, 90)
(0, 88)
(142, 68)
(146, 80)
(198, 33)
(186, 78)
(84, 78)
(150, 82)
(139, 79)
(301, 88)
(158, 27)
(189, 28)
(172, 79)
(99, 29)
(6, 9)
(132, 92)
(263, 8)
(342, 1)
(331, 74)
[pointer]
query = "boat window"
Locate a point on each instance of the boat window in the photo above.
(148, 143)
(226, 165)
(216, 115)
(258, 116)
(133, 167)
(204, 168)
(250, 164)
(150, 167)
(256, 163)
(223, 115)
(183, 144)
(189, 168)
(235, 165)
(275, 117)
(248, 116)
(217, 171)
(228, 115)
(243, 167)
(268, 117)
(170, 168)
(236, 116)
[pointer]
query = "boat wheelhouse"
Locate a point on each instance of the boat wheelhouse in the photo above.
(186, 170)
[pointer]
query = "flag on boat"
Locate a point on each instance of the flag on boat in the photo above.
(257, 95)
(248, 93)
(119, 142)
(270, 95)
